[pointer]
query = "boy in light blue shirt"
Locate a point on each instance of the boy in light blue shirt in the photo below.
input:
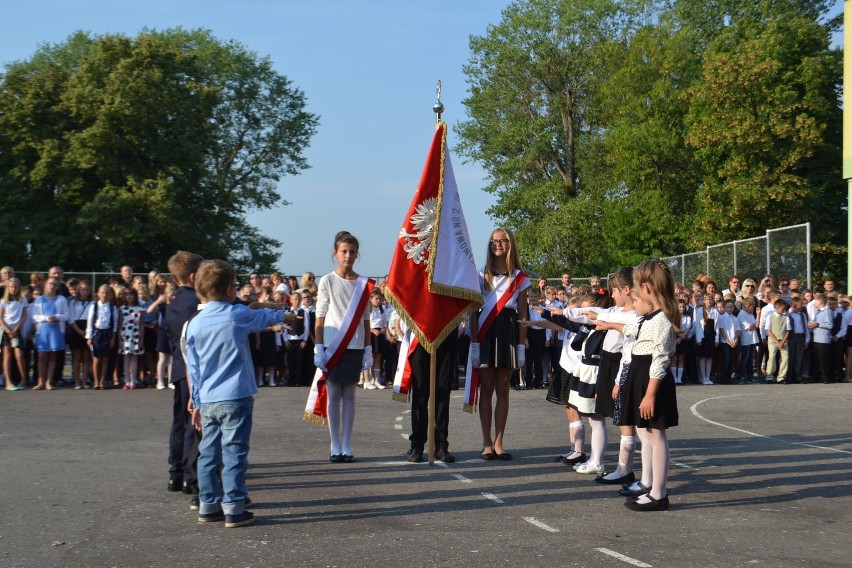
(219, 363)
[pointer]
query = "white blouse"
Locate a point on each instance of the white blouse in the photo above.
(654, 336)
(334, 294)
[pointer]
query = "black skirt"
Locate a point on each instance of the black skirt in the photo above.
(348, 368)
(665, 402)
(74, 340)
(267, 356)
(607, 375)
(707, 347)
(497, 348)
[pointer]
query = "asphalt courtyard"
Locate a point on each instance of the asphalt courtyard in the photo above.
(760, 477)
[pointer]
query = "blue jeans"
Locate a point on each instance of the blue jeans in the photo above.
(225, 432)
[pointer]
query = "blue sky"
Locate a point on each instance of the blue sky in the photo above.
(368, 69)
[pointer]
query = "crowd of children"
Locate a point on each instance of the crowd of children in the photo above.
(604, 352)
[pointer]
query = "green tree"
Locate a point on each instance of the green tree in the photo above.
(651, 171)
(117, 149)
(765, 124)
(532, 78)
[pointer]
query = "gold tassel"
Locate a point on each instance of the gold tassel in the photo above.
(402, 397)
(312, 418)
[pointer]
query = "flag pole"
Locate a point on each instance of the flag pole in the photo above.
(438, 109)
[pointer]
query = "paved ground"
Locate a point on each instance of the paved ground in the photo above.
(761, 477)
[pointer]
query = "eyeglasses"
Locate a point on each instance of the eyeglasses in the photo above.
(503, 242)
(312, 277)
(749, 285)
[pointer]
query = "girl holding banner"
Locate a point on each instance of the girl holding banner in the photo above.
(499, 344)
(342, 347)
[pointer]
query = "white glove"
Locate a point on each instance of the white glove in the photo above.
(474, 354)
(521, 355)
(367, 361)
(319, 357)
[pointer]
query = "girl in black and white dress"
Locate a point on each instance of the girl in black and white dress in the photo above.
(650, 401)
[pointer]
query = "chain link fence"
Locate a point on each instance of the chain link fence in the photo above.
(784, 252)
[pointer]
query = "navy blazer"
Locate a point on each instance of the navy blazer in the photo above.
(183, 305)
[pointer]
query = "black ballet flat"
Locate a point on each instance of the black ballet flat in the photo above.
(506, 456)
(578, 459)
(488, 456)
(652, 505)
(348, 458)
(628, 478)
(335, 458)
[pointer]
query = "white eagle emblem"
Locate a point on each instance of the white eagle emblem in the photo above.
(422, 221)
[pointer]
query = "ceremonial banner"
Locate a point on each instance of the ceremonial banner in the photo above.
(433, 282)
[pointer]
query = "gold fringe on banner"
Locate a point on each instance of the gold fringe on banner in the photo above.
(314, 419)
(401, 397)
(469, 408)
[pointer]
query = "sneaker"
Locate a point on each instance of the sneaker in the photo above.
(370, 386)
(589, 468)
(706, 382)
(444, 456)
(380, 385)
(194, 503)
(161, 386)
(415, 455)
(216, 517)
(272, 383)
(578, 464)
(241, 520)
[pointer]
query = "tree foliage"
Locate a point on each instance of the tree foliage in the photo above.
(117, 149)
(616, 131)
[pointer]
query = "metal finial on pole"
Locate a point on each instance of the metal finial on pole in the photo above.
(438, 107)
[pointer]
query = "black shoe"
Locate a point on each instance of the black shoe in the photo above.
(505, 456)
(348, 458)
(247, 503)
(175, 484)
(488, 456)
(190, 488)
(444, 456)
(578, 459)
(194, 503)
(625, 491)
(241, 520)
(216, 517)
(335, 458)
(624, 479)
(652, 505)
(415, 455)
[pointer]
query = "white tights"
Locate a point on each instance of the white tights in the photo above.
(131, 369)
(705, 365)
(341, 393)
(164, 368)
(599, 440)
(655, 460)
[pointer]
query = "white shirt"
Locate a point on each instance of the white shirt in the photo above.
(334, 294)
(13, 311)
(501, 284)
(99, 318)
(656, 338)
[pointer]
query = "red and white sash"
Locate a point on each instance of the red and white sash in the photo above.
(402, 377)
(492, 308)
(316, 410)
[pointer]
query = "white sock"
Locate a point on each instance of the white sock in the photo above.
(577, 430)
(625, 458)
(678, 372)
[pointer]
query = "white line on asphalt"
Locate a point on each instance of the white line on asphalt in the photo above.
(623, 558)
(397, 426)
(683, 465)
(461, 478)
(399, 418)
(493, 497)
(539, 524)
(694, 409)
(404, 437)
